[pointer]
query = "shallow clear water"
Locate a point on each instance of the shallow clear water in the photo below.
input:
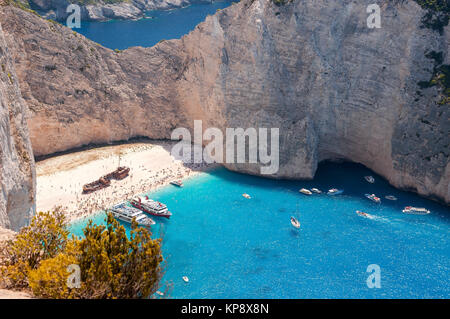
(159, 25)
(232, 247)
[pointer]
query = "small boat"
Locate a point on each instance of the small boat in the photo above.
(305, 191)
(246, 196)
(159, 293)
(316, 190)
(150, 206)
(373, 198)
(177, 183)
(390, 197)
(185, 279)
(127, 214)
(360, 213)
(295, 222)
(370, 179)
(335, 191)
(415, 210)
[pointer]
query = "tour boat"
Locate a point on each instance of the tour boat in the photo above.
(305, 191)
(295, 222)
(316, 190)
(335, 191)
(127, 214)
(150, 206)
(246, 196)
(373, 198)
(370, 179)
(177, 183)
(391, 197)
(415, 210)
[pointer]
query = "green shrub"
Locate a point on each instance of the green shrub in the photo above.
(112, 265)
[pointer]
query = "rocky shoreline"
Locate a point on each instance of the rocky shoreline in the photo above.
(98, 10)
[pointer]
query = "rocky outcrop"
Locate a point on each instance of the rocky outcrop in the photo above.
(17, 174)
(98, 10)
(334, 87)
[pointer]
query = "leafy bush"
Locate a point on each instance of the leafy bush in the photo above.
(50, 279)
(111, 264)
(42, 239)
(440, 76)
(281, 2)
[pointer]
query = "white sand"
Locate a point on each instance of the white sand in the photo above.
(60, 179)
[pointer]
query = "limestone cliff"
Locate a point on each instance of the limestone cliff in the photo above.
(334, 87)
(17, 177)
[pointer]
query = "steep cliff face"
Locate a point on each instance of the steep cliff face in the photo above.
(335, 88)
(17, 177)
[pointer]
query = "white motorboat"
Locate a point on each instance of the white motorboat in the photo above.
(177, 183)
(335, 191)
(415, 210)
(373, 198)
(370, 179)
(305, 191)
(390, 197)
(316, 190)
(295, 222)
(246, 196)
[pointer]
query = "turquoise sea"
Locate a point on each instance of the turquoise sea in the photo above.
(233, 247)
(159, 25)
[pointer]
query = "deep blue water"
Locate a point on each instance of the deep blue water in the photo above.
(232, 247)
(168, 24)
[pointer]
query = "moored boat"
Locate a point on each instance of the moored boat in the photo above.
(335, 191)
(370, 179)
(177, 183)
(373, 198)
(415, 210)
(246, 196)
(305, 191)
(390, 197)
(316, 190)
(127, 214)
(150, 206)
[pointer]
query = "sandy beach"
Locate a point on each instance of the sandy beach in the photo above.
(60, 179)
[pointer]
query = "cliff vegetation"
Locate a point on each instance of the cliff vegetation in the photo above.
(111, 264)
(438, 14)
